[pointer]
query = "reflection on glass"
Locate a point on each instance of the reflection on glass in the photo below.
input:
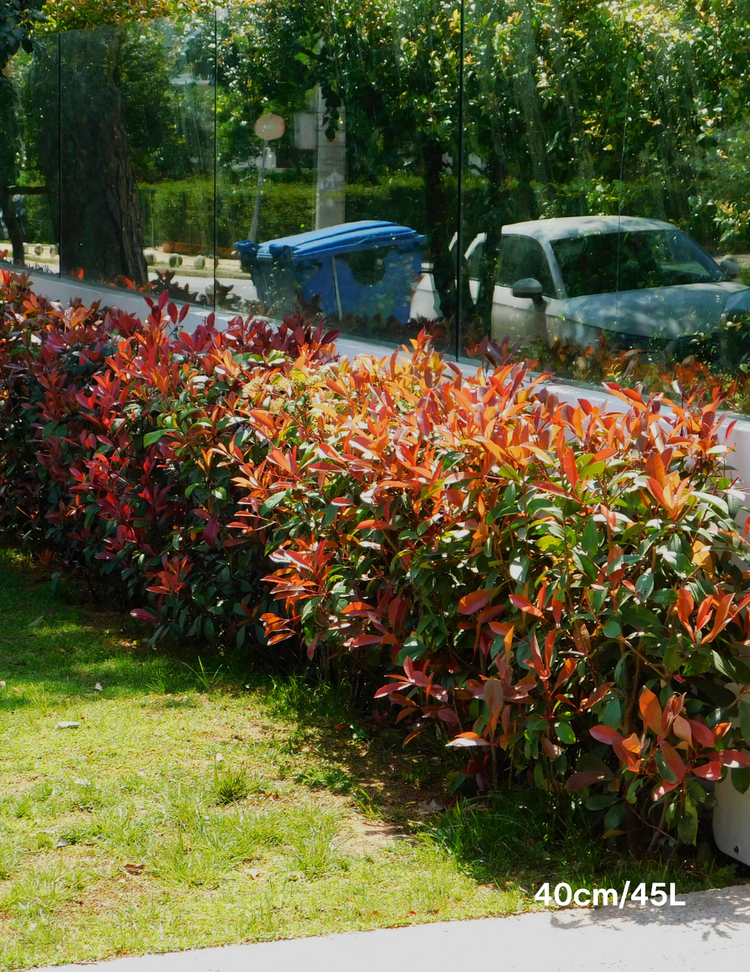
(136, 107)
(29, 137)
(347, 209)
(606, 231)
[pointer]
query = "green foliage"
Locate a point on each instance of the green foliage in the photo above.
(17, 20)
(79, 14)
(553, 589)
(183, 210)
(115, 425)
(546, 581)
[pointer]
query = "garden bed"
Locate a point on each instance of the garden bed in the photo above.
(125, 835)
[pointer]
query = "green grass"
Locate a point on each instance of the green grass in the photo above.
(195, 805)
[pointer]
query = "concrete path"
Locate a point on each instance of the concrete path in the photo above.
(710, 934)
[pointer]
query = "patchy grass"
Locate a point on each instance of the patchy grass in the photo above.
(191, 806)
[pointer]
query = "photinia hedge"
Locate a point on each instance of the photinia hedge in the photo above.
(118, 442)
(554, 591)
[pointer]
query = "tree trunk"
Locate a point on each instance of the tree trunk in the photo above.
(87, 168)
(9, 147)
(10, 218)
(101, 223)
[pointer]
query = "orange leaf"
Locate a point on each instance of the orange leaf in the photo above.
(650, 710)
(721, 619)
(471, 603)
(681, 729)
(685, 605)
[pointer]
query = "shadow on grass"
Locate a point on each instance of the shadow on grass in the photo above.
(53, 650)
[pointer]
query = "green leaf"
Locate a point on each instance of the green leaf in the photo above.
(615, 816)
(741, 779)
(586, 565)
(519, 568)
(590, 539)
(273, 501)
(687, 828)
(612, 629)
(612, 715)
(672, 660)
(150, 437)
(744, 708)
(640, 618)
(621, 672)
(565, 733)
(734, 669)
(632, 794)
(601, 800)
(644, 586)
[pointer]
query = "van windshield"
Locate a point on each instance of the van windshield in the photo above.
(606, 263)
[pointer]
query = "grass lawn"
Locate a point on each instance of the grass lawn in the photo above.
(194, 805)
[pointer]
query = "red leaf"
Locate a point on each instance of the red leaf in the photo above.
(359, 609)
(733, 758)
(605, 734)
(702, 734)
(472, 603)
(663, 789)
(493, 693)
(709, 771)
(569, 465)
(674, 761)
(597, 696)
(566, 671)
(704, 612)
(587, 778)
(523, 604)
(144, 615)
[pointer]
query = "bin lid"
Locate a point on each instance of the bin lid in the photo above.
(366, 234)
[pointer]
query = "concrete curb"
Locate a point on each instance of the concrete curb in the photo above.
(713, 927)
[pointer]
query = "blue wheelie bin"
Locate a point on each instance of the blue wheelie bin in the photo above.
(363, 269)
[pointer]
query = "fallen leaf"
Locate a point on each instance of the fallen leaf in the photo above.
(61, 843)
(98, 687)
(253, 872)
(134, 868)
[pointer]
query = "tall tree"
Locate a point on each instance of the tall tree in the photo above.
(17, 19)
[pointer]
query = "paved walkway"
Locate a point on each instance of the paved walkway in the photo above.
(711, 934)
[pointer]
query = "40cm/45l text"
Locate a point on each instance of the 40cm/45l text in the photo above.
(563, 895)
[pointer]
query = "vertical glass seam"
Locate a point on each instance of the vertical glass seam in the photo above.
(459, 195)
(59, 156)
(216, 159)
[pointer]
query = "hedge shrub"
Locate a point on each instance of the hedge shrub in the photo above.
(552, 590)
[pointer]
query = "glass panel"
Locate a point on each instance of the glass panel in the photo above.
(29, 158)
(354, 142)
(606, 230)
(546, 102)
(688, 166)
(138, 156)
